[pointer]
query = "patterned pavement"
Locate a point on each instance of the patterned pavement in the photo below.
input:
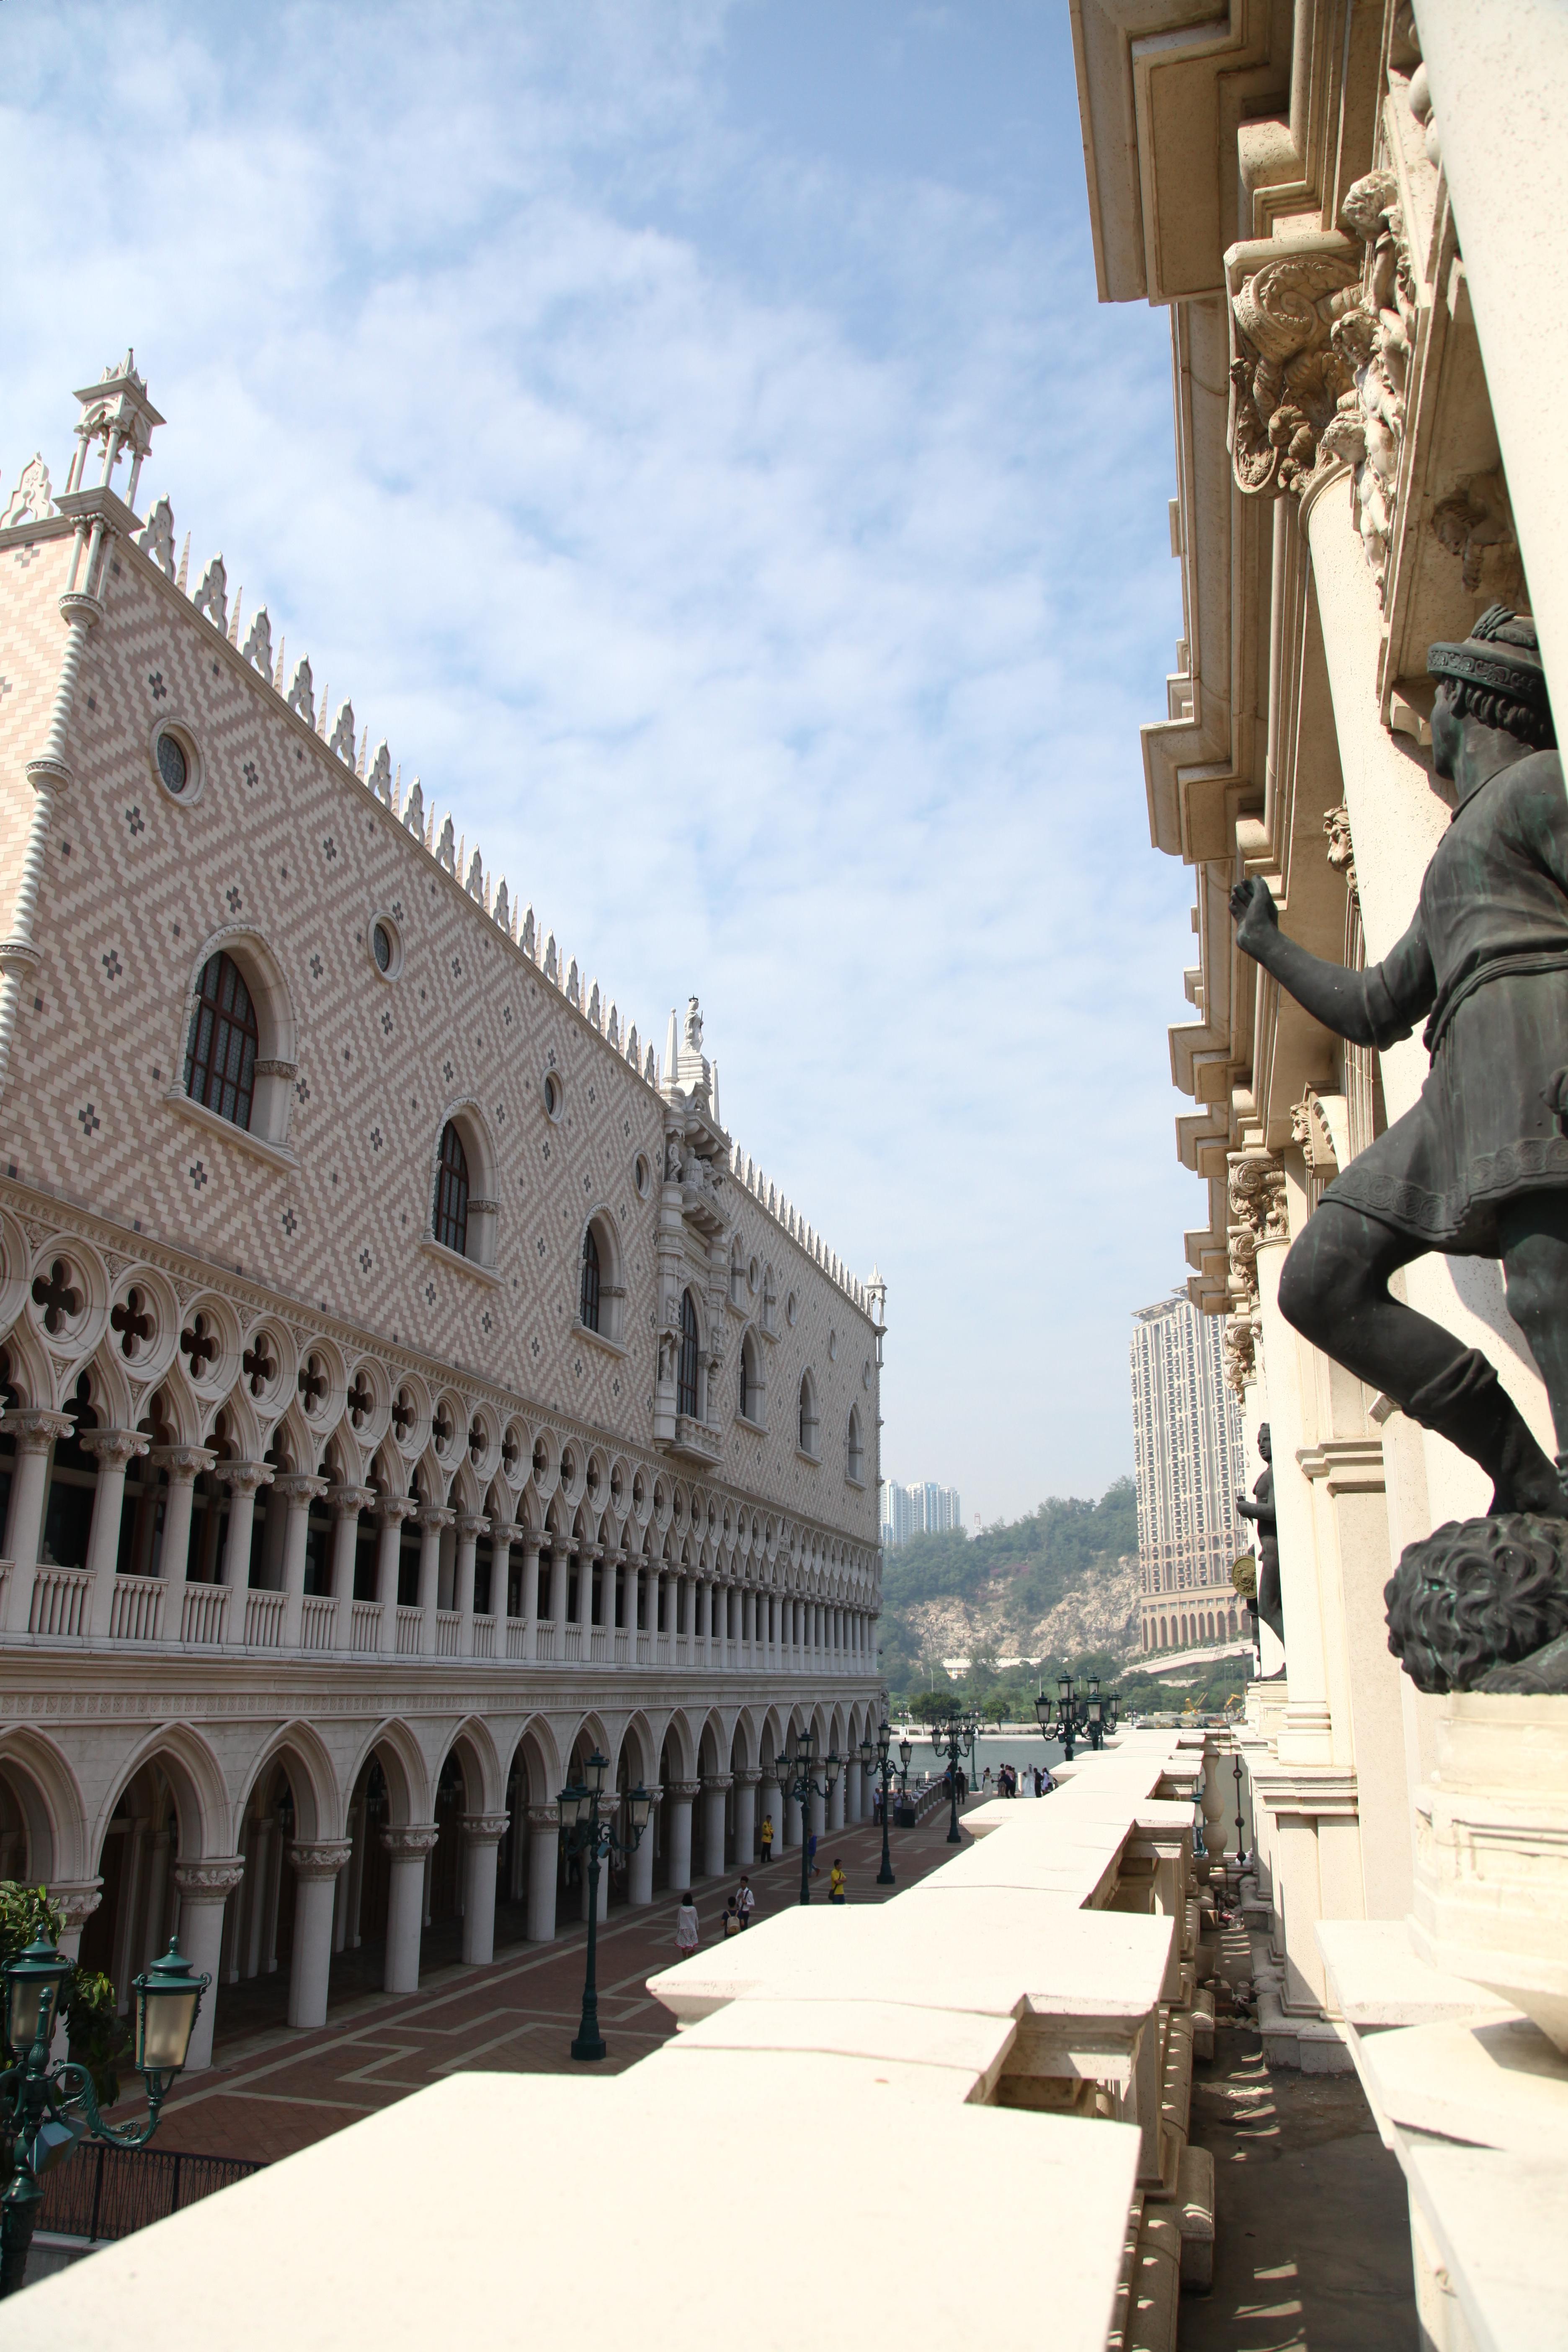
(272, 2091)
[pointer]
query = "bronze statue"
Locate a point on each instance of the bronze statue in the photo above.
(1479, 1166)
(1266, 1605)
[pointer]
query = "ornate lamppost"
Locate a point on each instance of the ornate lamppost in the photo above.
(954, 1736)
(32, 2092)
(875, 1755)
(589, 1834)
(794, 1776)
(1077, 1714)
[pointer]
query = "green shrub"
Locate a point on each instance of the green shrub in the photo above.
(97, 2038)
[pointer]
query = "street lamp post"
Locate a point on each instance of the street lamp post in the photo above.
(1075, 1714)
(875, 1755)
(954, 1736)
(588, 1834)
(32, 2092)
(794, 1776)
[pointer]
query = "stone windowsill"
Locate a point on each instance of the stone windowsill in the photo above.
(802, 1455)
(759, 1427)
(444, 1256)
(276, 1155)
(601, 1339)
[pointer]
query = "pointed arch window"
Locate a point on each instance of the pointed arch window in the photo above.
(220, 1056)
(588, 1294)
(856, 1452)
(808, 1415)
(451, 1218)
(686, 1378)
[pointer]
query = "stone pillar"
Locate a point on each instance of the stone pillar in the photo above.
(471, 1526)
(160, 1850)
(817, 1814)
(259, 1871)
(315, 1864)
(504, 1535)
(180, 1465)
(639, 1870)
(770, 1801)
(482, 1834)
(790, 1827)
(835, 1799)
(558, 1592)
(35, 1432)
(747, 1780)
(678, 1796)
(114, 1449)
(543, 1869)
(347, 1503)
(530, 1597)
(410, 1849)
(715, 1789)
(394, 1510)
(205, 1888)
(242, 1479)
(298, 1493)
(433, 1517)
(854, 1786)
(79, 1899)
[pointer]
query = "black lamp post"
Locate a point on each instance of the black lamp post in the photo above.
(794, 1776)
(1075, 1714)
(877, 1757)
(588, 1834)
(954, 1736)
(168, 1996)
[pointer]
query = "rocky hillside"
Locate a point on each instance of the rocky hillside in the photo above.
(1059, 1582)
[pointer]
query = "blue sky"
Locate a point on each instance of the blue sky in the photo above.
(687, 431)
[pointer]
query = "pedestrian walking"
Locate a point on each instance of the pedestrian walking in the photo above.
(767, 1837)
(837, 1885)
(745, 1900)
(685, 1923)
(732, 1920)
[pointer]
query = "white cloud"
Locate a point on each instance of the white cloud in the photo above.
(762, 559)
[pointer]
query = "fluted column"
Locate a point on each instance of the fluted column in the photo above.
(407, 1849)
(299, 1493)
(114, 1449)
(432, 1517)
(394, 1510)
(543, 1869)
(315, 1864)
(204, 1887)
(471, 1526)
(242, 1479)
(482, 1833)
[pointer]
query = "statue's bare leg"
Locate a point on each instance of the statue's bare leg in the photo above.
(1534, 1233)
(1333, 1289)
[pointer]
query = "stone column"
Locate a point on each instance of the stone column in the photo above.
(504, 1535)
(35, 1433)
(678, 1796)
(790, 1829)
(298, 1493)
(347, 1503)
(433, 1517)
(558, 1593)
(818, 1813)
(716, 1787)
(114, 1448)
(639, 1870)
(205, 1888)
(471, 1526)
(747, 1780)
(770, 1801)
(394, 1510)
(315, 1864)
(543, 1869)
(482, 1833)
(160, 1850)
(409, 1849)
(530, 1596)
(242, 1479)
(180, 1465)
(78, 1899)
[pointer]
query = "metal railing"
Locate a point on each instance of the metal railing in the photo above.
(108, 2192)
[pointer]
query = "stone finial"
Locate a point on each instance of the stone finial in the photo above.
(413, 810)
(574, 985)
(33, 499)
(184, 564)
(632, 1044)
(613, 1029)
(594, 1014)
(552, 962)
(343, 735)
(156, 537)
(117, 412)
(321, 719)
(277, 674)
(380, 777)
(650, 1071)
(447, 849)
(233, 614)
(529, 943)
(474, 885)
(212, 597)
(302, 692)
(503, 907)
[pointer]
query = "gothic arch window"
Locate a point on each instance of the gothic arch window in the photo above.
(450, 1222)
(808, 1428)
(588, 1291)
(753, 1395)
(686, 1377)
(856, 1452)
(223, 1041)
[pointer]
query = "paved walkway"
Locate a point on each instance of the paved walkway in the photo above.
(273, 2091)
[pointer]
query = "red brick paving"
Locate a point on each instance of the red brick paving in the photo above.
(277, 2090)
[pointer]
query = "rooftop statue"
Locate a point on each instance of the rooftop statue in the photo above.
(1477, 1167)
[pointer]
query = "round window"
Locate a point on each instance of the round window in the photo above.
(381, 946)
(789, 1308)
(173, 765)
(551, 1096)
(385, 941)
(639, 1175)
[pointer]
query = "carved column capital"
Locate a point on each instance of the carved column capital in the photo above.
(183, 1463)
(436, 1514)
(114, 1447)
(543, 1818)
(418, 1838)
(210, 1881)
(348, 1502)
(36, 1431)
(722, 1782)
(78, 1898)
(471, 1524)
(392, 1509)
(485, 1829)
(245, 1478)
(683, 1789)
(746, 1776)
(320, 1857)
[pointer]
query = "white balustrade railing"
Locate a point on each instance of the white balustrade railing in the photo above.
(318, 1621)
(545, 1641)
(447, 1624)
(364, 1630)
(136, 1613)
(204, 1611)
(484, 1637)
(264, 1613)
(410, 1623)
(60, 1601)
(571, 1642)
(517, 1645)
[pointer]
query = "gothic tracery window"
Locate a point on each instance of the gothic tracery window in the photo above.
(220, 1056)
(451, 1219)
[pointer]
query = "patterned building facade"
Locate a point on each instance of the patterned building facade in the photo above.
(1187, 1451)
(407, 1382)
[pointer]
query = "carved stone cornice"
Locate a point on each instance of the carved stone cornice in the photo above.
(319, 1858)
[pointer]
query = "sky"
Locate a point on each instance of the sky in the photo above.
(687, 431)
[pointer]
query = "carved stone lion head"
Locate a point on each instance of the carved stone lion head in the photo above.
(1476, 1594)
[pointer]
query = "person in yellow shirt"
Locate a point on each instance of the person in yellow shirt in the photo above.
(767, 1837)
(837, 1885)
